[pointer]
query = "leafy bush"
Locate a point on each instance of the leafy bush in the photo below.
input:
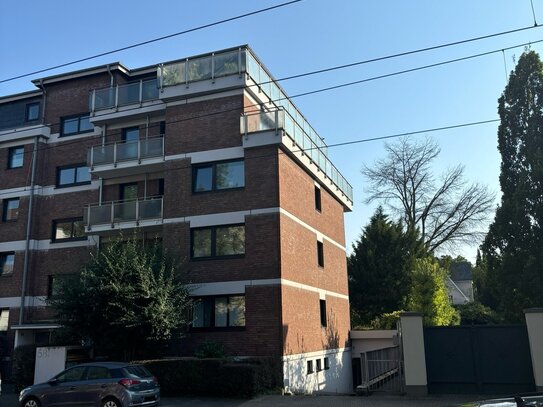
(215, 377)
(24, 360)
(475, 313)
(386, 321)
(210, 349)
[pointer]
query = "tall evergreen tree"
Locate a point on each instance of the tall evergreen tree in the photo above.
(513, 249)
(379, 268)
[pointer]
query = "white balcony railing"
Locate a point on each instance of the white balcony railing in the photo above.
(122, 95)
(281, 120)
(112, 154)
(110, 213)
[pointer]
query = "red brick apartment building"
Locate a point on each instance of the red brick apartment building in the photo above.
(209, 154)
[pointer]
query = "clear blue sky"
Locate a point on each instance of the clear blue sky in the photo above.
(306, 36)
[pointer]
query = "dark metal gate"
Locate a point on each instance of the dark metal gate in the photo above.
(478, 359)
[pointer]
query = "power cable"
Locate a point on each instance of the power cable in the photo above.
(320, 90)
(139, 44)
(345, 143)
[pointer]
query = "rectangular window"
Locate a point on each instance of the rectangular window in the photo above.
(309, 367)
(16, 156)
(323, 312)
(218, 241)
(326, 364)
(319, 365)
(68, 229)
(73, 175)
(4, 321)
(218, 176)
(219, 312)
(10, 210)
(32, 111)
(76, 125)
(317, 198)
(7, 261)
(131, 134)
(320, 254)
(55, 282)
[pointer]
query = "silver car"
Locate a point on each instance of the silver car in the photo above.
(103, 384)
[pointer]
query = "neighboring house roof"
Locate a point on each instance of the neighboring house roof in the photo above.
(460, 271)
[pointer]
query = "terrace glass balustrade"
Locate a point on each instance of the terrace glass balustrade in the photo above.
(282, 120)
(242, 60)
(110, 213)
(122, 95)
(112, 154)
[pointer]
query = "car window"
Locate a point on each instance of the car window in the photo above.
(72, 375)
(98, 372)
(137, 371)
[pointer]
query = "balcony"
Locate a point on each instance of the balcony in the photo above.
(268, 125)
(123, 214)
(126, 158)
(114, 103)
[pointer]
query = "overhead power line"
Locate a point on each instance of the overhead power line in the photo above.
(416, 51)
(139, 44)
(315, 91)
(346, 143)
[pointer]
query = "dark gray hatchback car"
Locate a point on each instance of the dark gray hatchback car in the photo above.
(104, 384)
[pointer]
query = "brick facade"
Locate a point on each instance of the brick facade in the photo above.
(278, 274)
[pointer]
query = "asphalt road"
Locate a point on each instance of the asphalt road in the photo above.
(376, 400)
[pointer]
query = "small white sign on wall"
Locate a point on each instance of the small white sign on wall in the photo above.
(49, 362)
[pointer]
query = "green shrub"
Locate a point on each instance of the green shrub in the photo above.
(475, 313)
(215, 377)
(24, 360)
(210, 349)
(386, 321)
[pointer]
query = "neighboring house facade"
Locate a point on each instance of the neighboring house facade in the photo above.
(460, 283)
(207, 154)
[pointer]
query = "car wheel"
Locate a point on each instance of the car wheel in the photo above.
(31, 402)
(111, 403)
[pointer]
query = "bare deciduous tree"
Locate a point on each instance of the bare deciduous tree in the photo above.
(444, 209)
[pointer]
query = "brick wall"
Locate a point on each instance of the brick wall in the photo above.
(261, 335)
(302, 329)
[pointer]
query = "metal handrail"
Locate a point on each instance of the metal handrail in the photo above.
(111, 150)
(113, 212)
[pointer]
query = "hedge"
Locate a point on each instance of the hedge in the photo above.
(215, 377)
(24, 360)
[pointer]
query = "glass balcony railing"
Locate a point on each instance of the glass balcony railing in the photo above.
(242, 60)
(282, 120)
(121, 95)
(125, 151)
(123, 211)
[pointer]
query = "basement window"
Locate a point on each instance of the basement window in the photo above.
(310, 367)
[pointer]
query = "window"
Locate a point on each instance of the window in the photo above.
(73, 175)
(218, 176)
(218, 241)
(7, 260)
(317, 198)
(10, 210)
(98, 373)
(219, 312)
(4, 321)
(320, 253)
(68, 229)
(131, 134)
(15, 157)
(319, 365)
(72, 375)
(326, 364)
(323, 312)
(32, 112)
(76, 125)
(55, 282)
(309, 366)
